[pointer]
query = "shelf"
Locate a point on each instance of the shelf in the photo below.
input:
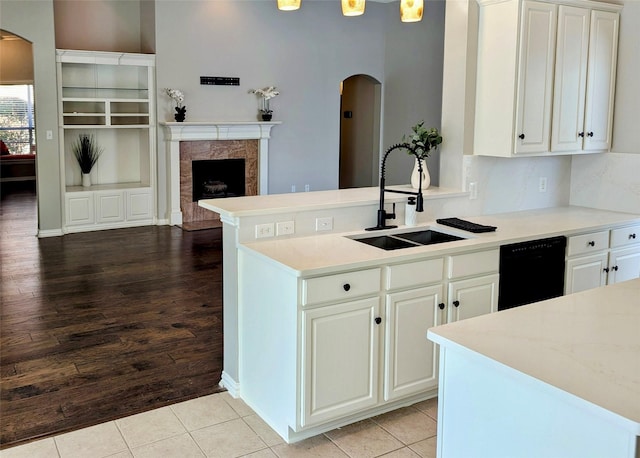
(107, 187)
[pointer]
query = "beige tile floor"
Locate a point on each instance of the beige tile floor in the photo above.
(221, 426)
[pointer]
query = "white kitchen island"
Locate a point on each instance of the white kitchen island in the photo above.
(559, 378)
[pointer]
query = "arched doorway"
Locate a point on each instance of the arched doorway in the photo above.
(17, 120)
(359, 131)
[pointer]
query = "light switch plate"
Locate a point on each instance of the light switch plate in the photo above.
(285, 228)
(324, 224)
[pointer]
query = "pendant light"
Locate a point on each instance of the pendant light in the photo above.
(411, 10)
(288, 5)
(352, 7)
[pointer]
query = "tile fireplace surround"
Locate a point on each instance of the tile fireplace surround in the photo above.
(177, 132)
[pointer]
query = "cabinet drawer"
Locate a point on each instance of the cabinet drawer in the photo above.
(588, 243)
(343, 286)
(414, 274)
(625, 236)
(468, 264)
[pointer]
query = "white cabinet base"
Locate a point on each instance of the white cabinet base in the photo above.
(488, 409)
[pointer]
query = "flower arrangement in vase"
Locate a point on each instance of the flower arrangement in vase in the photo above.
(87, 152)
(178, 97)
(265, 95)
(422, 140)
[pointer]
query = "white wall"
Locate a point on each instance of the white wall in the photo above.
(306, 54)
(612, 181)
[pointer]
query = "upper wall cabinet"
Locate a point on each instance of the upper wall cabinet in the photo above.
(545, 77)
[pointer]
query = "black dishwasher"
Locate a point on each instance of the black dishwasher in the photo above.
(531, 271)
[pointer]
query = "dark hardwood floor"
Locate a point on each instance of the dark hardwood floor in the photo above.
(100, 325)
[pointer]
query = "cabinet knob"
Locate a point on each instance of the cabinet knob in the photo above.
(614, 268)
(456, 303)
(346, 286)
(378, 320)
(441, 305)
(632, 236)
(581, 134)
(590, 134)
(606, 270)
(521, 136)
(591, 243)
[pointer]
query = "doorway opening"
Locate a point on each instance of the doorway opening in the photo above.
(17, 116)
(360, 108)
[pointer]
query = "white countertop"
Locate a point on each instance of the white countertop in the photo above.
(586, 344)
(300, 201)
(320, 254)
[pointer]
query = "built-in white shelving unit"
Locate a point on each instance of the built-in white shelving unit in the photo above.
(109, 96)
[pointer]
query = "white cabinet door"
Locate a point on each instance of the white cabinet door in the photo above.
(340, 359)
(603, 45)
(624, 265)
(572, 48)
(109, 207)
(79, 208)
(411, 359)
(535, 77)
(585, 273)
(473, 297)
(139, 204)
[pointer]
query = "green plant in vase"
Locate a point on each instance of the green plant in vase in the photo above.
(422, 140)
(87, 152)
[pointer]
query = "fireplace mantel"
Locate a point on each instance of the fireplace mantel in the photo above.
(176, 132)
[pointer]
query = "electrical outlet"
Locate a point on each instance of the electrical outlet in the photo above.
(542, 186)
(264, 230)
(293, 188)
(324, 224)
(473, 190)
(285, 228)
(307, 188)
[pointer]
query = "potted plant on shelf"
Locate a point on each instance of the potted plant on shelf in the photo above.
(178, 97)
(422, 140)
(87, 152)
(265, 95)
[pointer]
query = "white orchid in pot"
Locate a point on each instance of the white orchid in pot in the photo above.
(265, 95)
(178, 97)
(422, 140)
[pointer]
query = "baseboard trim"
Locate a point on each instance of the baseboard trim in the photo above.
(49, 233)
(230, 385)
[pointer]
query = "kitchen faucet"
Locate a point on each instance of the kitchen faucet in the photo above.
(383, 216)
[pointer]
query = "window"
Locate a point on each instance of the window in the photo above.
(17, 127)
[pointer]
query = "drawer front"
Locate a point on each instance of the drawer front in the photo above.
(588, 243)
(470, 264)
(625, 236)
(339, 287)
(415, 274)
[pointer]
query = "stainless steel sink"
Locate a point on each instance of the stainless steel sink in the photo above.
(408, 239)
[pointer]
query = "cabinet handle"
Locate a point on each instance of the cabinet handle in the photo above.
(590, 134)
(521, 136)
(441, 305)
(632, 236)
(581, 134)
(378, 320)
(614, 268)
(591, 243)
(346, 286)
(456, 303)
(606, 270)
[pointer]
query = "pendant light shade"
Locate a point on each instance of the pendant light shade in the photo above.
(353, 7)
(288, 5)
(411, 10)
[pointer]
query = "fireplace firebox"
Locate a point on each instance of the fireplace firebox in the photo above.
(218, 178)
